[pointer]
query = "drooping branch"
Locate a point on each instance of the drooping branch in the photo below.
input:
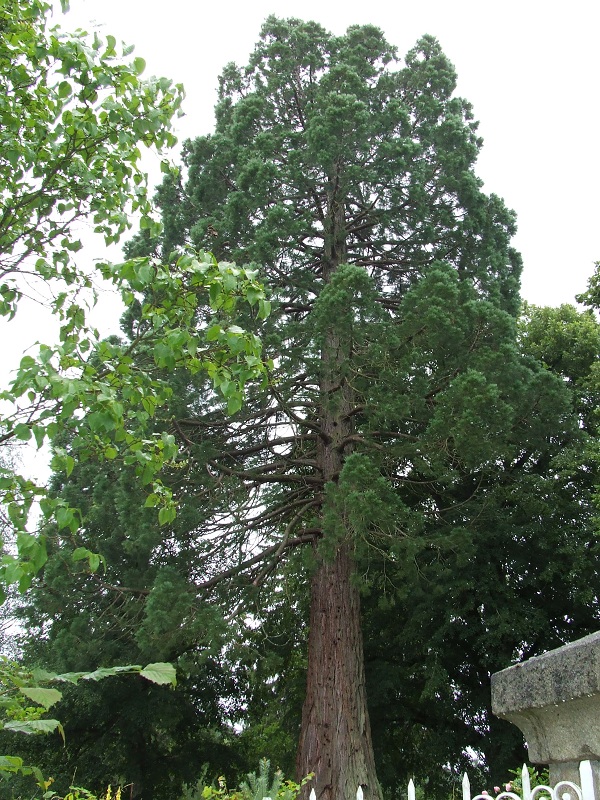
(284, 542)
(305, 538)
(258, 477)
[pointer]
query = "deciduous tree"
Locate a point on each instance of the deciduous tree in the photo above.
(75, 116)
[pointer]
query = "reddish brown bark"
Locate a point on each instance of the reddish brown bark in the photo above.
(335, 739)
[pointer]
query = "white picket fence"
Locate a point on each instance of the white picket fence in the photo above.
(565, 790)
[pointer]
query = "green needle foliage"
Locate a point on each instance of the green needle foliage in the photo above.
(122, 731)
(399, 393)
(509, 571)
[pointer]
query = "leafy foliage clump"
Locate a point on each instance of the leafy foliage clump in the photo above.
(75, 112)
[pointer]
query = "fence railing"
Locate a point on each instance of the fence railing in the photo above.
(565, 790)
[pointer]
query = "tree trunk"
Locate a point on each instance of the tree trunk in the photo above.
(335, 740)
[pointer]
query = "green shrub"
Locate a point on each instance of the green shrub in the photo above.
(255, 787)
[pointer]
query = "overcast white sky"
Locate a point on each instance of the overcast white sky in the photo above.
(530, 69)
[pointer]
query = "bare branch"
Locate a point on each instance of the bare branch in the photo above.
(307, 537)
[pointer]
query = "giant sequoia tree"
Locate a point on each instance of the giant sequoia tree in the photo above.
(350, 179)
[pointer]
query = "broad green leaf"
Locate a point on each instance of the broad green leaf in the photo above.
(166, 515)
(44, 697)
(161, 673)
(39, 433)
(42, 675)
(234, 403)
(33, 726)
(64, 517)
(11, 762)
(106, 672)
(213, 333)
(264, 307)
(139, 65)
(69, 677)
(80, 553)
(22, 432)
(64, 89)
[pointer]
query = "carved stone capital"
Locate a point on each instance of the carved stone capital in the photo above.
(555, 700)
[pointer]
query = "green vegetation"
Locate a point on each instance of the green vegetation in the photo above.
(254, 787)
(19, 688)
(75, 116)
(416, 481)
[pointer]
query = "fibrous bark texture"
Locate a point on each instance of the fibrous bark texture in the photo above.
(335, 741)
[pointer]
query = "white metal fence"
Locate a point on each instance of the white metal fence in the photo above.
(565, 790)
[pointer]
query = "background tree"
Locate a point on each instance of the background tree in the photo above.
(503, 575)
(143, 601)
(507, 574)
(150, 738)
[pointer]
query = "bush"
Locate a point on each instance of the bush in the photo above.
(255, 787)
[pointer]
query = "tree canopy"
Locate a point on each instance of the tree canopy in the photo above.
(75, 117)
(398, 387)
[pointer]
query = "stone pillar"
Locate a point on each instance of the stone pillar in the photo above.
(555, 700)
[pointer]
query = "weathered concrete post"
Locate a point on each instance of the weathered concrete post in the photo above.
(555, 700)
